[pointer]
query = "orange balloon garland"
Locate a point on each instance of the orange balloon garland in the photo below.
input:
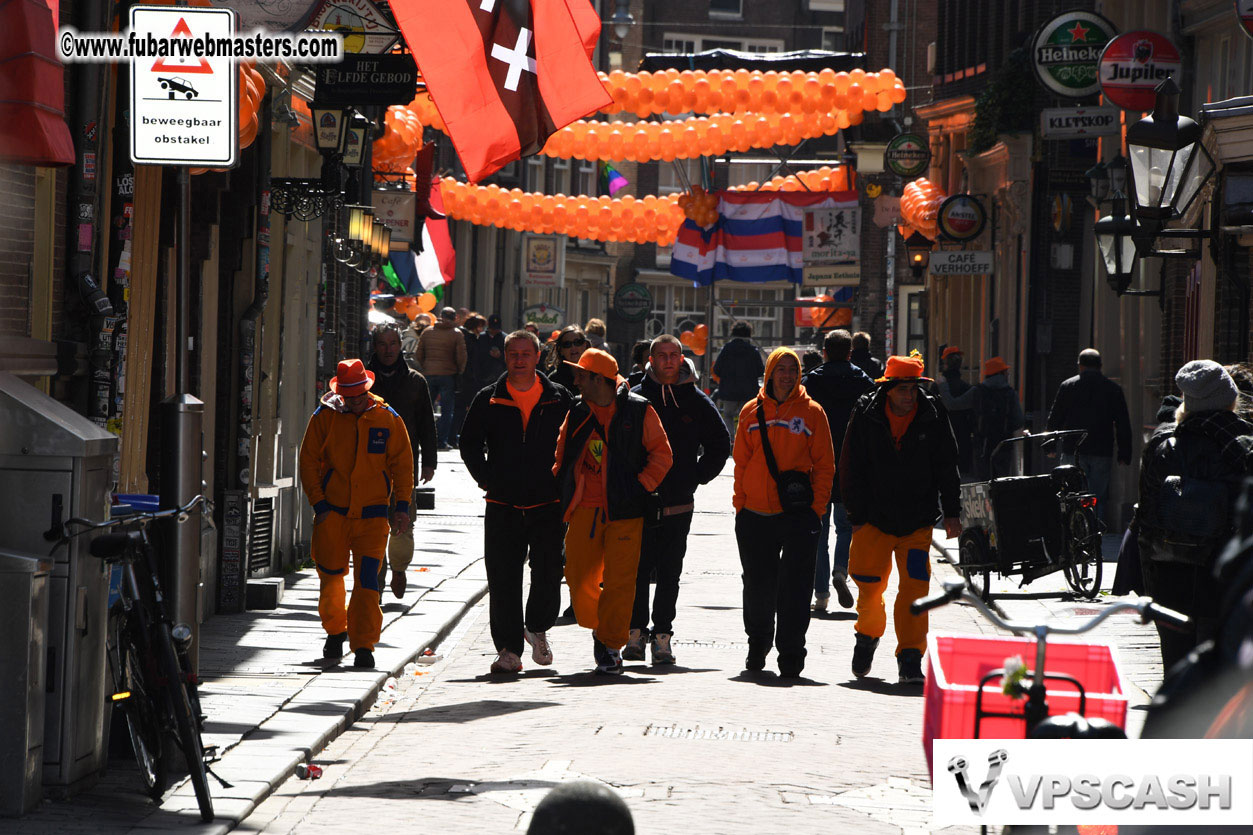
(920, 206)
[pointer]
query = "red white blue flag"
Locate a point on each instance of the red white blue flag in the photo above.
(758, 237)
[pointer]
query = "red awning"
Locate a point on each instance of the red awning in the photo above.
(32, 88)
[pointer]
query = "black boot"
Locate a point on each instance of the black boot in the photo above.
(334, 646)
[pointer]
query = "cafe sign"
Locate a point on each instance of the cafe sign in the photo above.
(1067, 50)
(961, 262)
(545, 316)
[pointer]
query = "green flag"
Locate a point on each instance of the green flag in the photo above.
(393, 279)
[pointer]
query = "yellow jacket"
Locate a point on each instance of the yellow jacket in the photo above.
(799, 437)
(354, 464)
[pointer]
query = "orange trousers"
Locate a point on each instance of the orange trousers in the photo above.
(333, 538)
(603, 552)
(870, 563)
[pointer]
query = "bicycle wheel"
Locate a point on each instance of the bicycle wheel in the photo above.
(974, 561)
(186, 723)
(142, 726)
(1084, 564)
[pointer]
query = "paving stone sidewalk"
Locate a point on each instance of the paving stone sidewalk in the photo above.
(271, 701)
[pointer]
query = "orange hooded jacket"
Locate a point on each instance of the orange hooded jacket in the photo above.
(354, 464)
(799, 436)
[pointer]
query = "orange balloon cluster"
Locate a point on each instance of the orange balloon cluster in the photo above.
(415, 306)
(697, 339)
(920, 207)
(829, 317)
(699, 206)
(252, 91)
(735, 91)
(697, 136)
(426, 111)
(402, 137)
(639, 220)
(826, 178)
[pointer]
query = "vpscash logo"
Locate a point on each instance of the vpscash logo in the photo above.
(978, 800)
(1152, 782)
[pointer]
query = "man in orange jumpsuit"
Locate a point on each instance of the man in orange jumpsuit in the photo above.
(612, 453)
(354, 457)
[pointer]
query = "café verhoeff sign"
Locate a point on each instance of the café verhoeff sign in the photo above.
(961, 262)
(1132, 66)
(1066, 51)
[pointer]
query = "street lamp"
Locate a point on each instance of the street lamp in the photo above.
(1098, 183)
(918, 248)
(330, 128)
(1115, 238)
(1169, 163)
(622, 19)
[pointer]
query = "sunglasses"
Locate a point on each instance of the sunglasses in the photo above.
(570, 343)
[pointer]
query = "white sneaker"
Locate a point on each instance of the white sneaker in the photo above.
(820, 603)
(634, 649)
(541, 652)
(507, 662)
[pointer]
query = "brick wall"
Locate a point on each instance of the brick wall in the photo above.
(17, 240)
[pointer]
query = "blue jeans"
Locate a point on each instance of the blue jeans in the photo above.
(1097, 468)
(823, 567)
(444, 389)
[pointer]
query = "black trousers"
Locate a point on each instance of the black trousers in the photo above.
(777, 554)
(510, 535)
(1190, 589)
(662, 550)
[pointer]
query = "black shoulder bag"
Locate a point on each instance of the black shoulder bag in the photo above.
(795, 490)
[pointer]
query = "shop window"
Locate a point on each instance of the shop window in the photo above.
(725, 8)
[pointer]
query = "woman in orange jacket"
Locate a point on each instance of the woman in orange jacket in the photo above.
(778, 540)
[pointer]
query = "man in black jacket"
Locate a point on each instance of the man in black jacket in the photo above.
(861, 357)
(700, 444)
(489, 353)
(507, 444)
(898, 477)
(1094, 403)
(739, 367)
(837, 384)
(406, 391)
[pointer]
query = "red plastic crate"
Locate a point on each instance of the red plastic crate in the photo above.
(956, 663)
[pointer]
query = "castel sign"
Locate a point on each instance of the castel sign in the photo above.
(1132, 66)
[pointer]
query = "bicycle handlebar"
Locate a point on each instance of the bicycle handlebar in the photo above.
(1144, 606)
(123, 521)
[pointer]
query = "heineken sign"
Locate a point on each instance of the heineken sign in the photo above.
(633, 302)
(1066, 51)
(1132, 66)
(907, 155)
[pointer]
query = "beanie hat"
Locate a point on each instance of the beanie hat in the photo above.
(1206, 386)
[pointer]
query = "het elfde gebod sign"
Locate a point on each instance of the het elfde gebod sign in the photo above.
(367, 79)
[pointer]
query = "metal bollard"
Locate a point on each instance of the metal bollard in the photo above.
(181, 441)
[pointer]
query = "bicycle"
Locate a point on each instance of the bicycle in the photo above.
(1036, 709)
(153, 684)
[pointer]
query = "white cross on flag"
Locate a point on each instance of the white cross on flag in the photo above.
(504, 74)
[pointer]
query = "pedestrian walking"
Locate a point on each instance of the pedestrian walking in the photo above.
(836, 385)
(442, 355)
(507, 445)
(957, 396)
(639, 362)
(354, 456)
(861, 357)
(898, 477)
(569, 345)
(611, 454)
(700, 445)
(1094, 403)
(997, 415)
(738, 368)
(594, 330)
(1190, 477)
(468, 384)
(784, 467)
(406, 392)
(489, 355)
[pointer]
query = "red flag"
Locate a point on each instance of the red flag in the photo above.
(504, 74)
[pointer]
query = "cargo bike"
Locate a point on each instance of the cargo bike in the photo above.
(1029, 526)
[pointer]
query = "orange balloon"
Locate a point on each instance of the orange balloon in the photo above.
(702, 332)
(687, 338)
(427, 302)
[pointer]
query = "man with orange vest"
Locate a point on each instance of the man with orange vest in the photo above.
(612, 452)
(355, 455)
(898, 477)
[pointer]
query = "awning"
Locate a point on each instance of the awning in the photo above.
(32, 110)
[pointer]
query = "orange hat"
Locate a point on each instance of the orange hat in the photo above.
(995, 365)
(552, 336)
(949, 351)
(351, 378)
(597, 362)
(900, 369)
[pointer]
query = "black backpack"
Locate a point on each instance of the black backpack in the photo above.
(993, 411)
